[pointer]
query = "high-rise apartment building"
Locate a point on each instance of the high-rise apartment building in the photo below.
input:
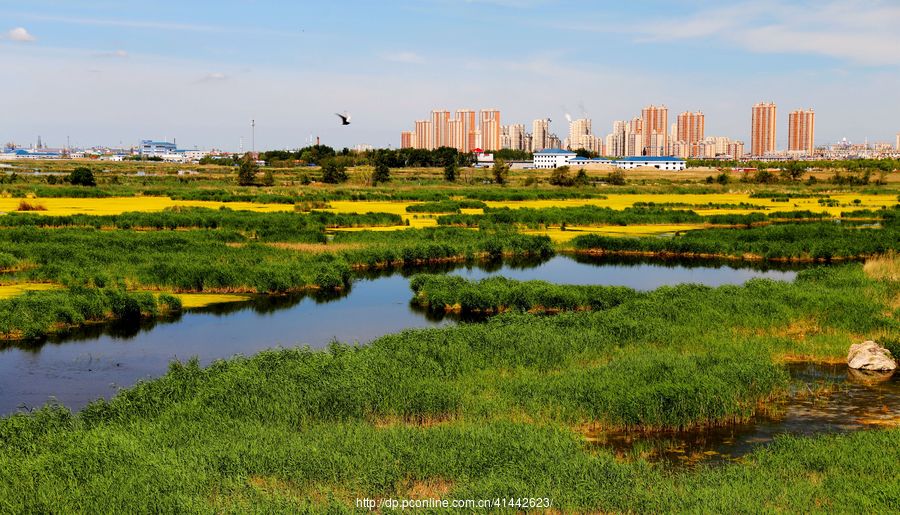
(406, 139)
(540, 135)
(513, 137)
(577, 129)
(424, 135)
(690, 130)
(490, 129)
(655, 128)
(553, 141)
(897, 143)
(462, 131)
(615, 141)
(634, 138)
(440, 122)
(802, 131)
(735, 149)
(762, 133)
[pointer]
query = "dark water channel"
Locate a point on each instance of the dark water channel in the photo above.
(825, 399)
(81, 366)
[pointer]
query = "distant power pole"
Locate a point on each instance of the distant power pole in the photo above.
(253, 136)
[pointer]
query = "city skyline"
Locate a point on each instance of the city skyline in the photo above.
(200, 72)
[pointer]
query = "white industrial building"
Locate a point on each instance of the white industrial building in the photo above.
(553, 158)
(660, 163)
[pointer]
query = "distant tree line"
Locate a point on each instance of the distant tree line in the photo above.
(391, 158)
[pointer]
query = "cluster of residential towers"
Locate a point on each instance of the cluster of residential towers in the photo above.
(649, 134)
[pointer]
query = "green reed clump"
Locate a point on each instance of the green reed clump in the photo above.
(35, 314)
(445, 206)
(584, 215)
(7, 261)
(225, 259)
(810, 241)
(641, 213)
(493, 294)
(284, 226)
(439, 244)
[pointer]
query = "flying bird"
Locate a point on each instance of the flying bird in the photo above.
(345, 118)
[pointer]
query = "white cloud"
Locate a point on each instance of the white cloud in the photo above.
(403, 57)
(120, 54)
(214, 77)
(860, 32)
(161, 25)
(21, 35)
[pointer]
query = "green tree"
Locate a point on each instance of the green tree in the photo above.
(334, 171)
(560, 177)
(450, 171)
(82, 176)
(793, 170)
(268, 178)
(382, 172)
(247, 171)
(616, 178)
(500, 171)
(581, 178)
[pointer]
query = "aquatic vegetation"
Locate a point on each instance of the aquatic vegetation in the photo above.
(36, 313)
(494, 294)
(808, 241)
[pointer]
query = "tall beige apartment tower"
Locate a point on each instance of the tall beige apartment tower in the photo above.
(462, 131)
(540, 135)
(440, 122)
(406, 139)
(762, 133)
(424, 135)
(655, 127)
(577, 129)
(802, 131)
(490, 129)
(897, 145)
(691, 130)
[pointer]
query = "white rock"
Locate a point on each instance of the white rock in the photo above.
(870, 356)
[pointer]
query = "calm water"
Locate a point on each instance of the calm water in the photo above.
(82, 366)
(848, 400)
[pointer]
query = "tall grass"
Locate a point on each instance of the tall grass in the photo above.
(812, 241)
(38, 313)
(494, 294)
(647, 213)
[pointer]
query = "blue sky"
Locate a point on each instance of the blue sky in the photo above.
(106, 72)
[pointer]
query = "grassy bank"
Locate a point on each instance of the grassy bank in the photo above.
(797, 242)
(34, 314)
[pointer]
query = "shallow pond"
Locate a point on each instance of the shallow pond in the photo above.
(86, 364)
(826, 399)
